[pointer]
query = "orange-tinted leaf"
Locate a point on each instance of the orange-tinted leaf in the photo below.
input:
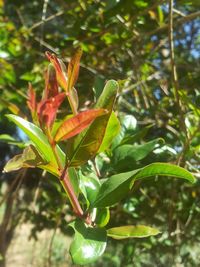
(31, 102)
(73, 69)
(77, 124)
(47, 110)
(51, 85)
(61, 72)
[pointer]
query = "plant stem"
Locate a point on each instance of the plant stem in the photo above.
(64, 179)
(73, 108)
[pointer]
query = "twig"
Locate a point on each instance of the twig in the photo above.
(36, 25)
(177, 23)
(175, 81)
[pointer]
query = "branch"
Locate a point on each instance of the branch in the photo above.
(177, 23)
(36, 25)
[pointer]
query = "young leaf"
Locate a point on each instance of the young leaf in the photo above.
(51, 85)
(117, 186)
(86, 145)
(73, 69)
(74, 98)
(39, 139)
(47, 110)
(131, 231)
(31, 102)
(77, 124)
(60, 68)
(30, 158)
(88, 244)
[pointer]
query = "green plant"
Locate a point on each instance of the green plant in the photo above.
(83, 135)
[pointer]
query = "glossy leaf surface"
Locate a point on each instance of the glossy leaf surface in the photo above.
(102, 216)
(88, 244)
(89, 186)
(114, 189)
(117, 186)
(112, 129)
(131, 231)
(39, 139)
(86, 145)
(164, 169)
(77, 124)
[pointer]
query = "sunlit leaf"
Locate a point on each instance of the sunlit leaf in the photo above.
(102, 216)
(89, 243)
(118, 186)
(51, 85)
(89, 186)
(77, 124)
(30, 158)
(112, 129)
(60, 68)
(131, 231)
(73, 69)
(86, 145)
(40, 141)
(47, 110)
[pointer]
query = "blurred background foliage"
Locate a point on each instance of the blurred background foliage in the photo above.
(126, 40)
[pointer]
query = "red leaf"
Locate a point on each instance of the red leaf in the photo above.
(77, 124)
(61, 72)
(51, 85)
(31, 102)
(73, 69)
(47, 110)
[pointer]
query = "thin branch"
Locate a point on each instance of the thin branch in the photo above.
(176, 84)
(177, 23)
(36, 25)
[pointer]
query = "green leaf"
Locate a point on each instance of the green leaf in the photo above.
(85, 146)
(118, 186)
(114, 189)
(139, 135)
(112, 129)
(125, 155)
(30, 158)
(102, 216)
(128, 126)
(40, 141)
(88, 244)
(164, 169)
(90, 187)
(74, 179)
(131, 231)
(6, 138)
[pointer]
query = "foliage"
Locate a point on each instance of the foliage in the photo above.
(126, 41)
(83, 133)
